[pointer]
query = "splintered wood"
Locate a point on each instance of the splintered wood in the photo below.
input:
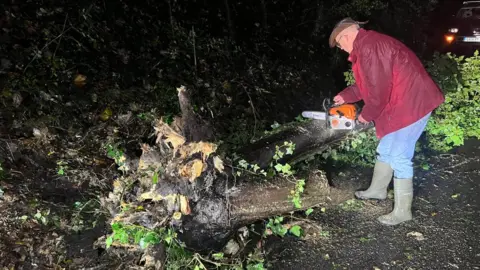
(183, 151)
(204, 148)
(165, 133)
(192, 169)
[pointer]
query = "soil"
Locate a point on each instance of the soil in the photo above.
(444, 234)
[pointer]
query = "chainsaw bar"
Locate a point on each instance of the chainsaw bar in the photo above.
(315, 115)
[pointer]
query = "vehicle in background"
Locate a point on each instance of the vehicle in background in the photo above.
(463, 34)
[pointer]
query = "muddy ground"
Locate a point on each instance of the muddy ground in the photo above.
(445, 232)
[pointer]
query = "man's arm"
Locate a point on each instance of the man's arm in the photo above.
(351, 94)
(376, 72)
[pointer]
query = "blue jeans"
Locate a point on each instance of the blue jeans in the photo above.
(397, 148)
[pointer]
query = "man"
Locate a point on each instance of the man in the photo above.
(399, 96)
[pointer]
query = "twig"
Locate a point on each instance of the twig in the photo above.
(10, 150)
(228, 201)
(456, 165)
(60, 40)
(46, 45)
(254, 113)
(307, 221)
(201, 258)
(194, 51)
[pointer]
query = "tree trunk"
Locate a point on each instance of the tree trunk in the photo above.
(310, 138)
(170, 14)
(184, 183)
(231, 28)
(265, 16)
(215, 219)
(318, 20)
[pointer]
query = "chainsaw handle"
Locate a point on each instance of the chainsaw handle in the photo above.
(327, 104)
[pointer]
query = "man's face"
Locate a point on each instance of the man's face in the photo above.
(344, 42)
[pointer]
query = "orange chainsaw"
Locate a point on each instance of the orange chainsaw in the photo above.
(340, 117)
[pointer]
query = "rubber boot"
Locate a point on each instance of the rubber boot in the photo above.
(382, 175)
(402, 211)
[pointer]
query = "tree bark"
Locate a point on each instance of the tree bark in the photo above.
(310, 138)
(214, 220)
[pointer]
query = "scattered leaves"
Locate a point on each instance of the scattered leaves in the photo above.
(106, 114)
(417, 235)
(80, 80)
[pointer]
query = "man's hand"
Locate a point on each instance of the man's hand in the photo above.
(338, 100)
(362, 120)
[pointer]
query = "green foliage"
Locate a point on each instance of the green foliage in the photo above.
(296, 230)
(296, 193)
(277, 228)
(135, 235)
(275, 166)
(457, 118)
(283, 169)
(61, 167)
(349, 78)
(252, 168)
(116, 153)
(358, 149)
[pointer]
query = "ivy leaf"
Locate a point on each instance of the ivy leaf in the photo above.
(122, 236)
(109, 242)
(138, 236)
(286, 168)
(218, 256)
(155, 178)
(152, 238)
(243, 164)
(116, 226)
(296, 230)
(279, 167)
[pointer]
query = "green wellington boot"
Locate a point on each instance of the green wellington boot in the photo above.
(402, 211)
(382, 175)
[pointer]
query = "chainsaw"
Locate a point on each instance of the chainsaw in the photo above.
(336, 117)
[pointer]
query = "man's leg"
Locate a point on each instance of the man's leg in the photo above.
(382, 172)
(400, 158)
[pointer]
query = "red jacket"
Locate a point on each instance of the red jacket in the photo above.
(391, 80)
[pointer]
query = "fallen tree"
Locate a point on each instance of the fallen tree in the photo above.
(182, 181)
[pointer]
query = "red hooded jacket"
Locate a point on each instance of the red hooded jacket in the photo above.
(391, 80)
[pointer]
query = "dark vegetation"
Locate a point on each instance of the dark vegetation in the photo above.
(84, 85)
